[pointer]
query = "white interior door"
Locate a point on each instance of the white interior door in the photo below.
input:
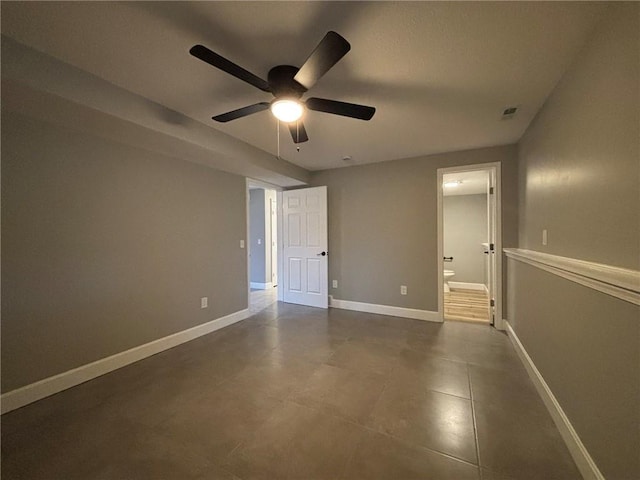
(305, 247)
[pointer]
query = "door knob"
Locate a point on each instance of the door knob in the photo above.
(322, 253)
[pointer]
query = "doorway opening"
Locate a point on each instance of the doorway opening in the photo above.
(262, 220)
(469, 244)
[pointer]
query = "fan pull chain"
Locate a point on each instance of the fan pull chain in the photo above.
(278, 135)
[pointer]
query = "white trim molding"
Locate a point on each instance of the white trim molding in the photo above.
(584, 462)
(495, 171)
(468, 286)
(49, 386)
(261, 286)
(619, 282)
(412, 313)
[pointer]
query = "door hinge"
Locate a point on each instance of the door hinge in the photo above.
(490, 190)
(492, 302)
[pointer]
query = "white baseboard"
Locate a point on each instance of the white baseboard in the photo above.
(49, 386)
(386, 310)
(468, 286)
(584, 462)
(261, 286)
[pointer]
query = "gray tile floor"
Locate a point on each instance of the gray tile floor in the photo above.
(300, 393)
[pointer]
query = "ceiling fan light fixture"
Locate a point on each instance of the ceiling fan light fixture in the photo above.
(288, 84)
(287, 110)
(454, 183)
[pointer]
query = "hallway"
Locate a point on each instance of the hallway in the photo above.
(296, 392)
(261, 299)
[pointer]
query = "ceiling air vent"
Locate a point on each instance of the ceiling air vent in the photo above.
(509, 112)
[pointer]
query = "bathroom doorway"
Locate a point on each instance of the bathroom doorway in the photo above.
(469, 244)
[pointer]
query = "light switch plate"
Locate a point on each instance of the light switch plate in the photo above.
(204, 302)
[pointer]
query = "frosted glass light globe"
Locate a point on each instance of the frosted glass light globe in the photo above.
(287, 110)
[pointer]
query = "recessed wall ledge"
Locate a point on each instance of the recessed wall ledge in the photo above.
(622, 283)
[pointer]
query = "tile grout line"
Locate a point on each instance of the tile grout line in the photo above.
(370, 429)
(291, 398)
(419, 446)
(385, 434)
(346, 465)
(475, 423)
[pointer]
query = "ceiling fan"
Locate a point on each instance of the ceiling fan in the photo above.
(288, 83)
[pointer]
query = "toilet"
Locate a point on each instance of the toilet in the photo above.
(447, 276)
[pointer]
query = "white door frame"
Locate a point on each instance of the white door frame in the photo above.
(273, 218)
(250, 182)
(497, 256)
(280, 243)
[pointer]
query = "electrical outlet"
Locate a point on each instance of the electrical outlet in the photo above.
(204, 302)
(259, 241)
(241, 243)
(544, 236)
(334, 284)
(403, 289)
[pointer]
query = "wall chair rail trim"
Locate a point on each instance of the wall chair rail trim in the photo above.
(618, 282)
(62, 381)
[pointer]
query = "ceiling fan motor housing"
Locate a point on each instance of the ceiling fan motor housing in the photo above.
(282, 84)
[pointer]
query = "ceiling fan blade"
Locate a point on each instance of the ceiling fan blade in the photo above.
(298, 132)
(328, 52)
(242, 112)
(212, 58)
(352, 110)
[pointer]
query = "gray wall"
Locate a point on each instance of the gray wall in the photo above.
(383, 229)
(41, 86)
(579, 178)
(106, 247)
(585, 344)
(580, 156)
(465, 229)
(257, 232)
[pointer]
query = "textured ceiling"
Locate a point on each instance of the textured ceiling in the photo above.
(439, 73)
